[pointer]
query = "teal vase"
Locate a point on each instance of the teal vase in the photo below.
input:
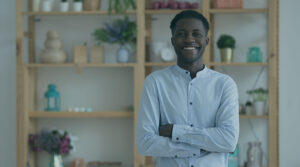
(56, 161)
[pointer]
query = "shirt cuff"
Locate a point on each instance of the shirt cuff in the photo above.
(178, 133)
(187, 154)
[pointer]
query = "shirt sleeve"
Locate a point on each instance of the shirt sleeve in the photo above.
(224, 136)
(149, 143)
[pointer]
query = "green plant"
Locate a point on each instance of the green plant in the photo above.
(120, 6)
(121, 31)
(248, 103)
(226, 41)
(64, 0)
(259, 94)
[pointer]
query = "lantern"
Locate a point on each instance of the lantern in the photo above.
(52, 99)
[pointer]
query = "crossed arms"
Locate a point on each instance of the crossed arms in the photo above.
(177, 140)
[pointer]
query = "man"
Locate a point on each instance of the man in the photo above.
(188, 114)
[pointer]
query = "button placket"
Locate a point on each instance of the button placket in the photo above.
(190, 103)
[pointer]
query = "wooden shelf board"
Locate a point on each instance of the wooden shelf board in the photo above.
(254, 116)
(166, 11)
(262, 10)
(237, 64)
(151, 64)
(95, 114)
(54, 13)
(81, 65)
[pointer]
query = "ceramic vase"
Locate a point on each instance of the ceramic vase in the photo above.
(77, 6)
(64, 6)
(53, 52)
(123, 54)
(46, 6)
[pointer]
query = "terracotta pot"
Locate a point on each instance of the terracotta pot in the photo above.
(228, 3)
(91, 4)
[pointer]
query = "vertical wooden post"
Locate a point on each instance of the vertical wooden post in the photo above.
(205, 12)
(273, 83)
(139, 73)
(21, 149)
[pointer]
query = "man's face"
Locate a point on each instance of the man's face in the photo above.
(189, 40)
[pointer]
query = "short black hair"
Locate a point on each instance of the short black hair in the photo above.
(189, 14)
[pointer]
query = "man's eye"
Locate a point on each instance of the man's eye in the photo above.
(180, 34)
(196, 34)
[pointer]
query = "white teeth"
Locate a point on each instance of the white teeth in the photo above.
(189, 48)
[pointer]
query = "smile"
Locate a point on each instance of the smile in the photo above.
(190, 48)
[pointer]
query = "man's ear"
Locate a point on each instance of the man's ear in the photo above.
(207, 40)
(172, 40)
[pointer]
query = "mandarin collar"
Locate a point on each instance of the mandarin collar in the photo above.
(203, 72)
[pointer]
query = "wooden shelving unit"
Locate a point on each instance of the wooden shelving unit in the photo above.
(80, 65)
(27, 114)
(243, 64)
(57, 13)
(223, 11)
(94, 114)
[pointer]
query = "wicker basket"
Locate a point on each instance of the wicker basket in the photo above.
(103, 164)
(228, 4)
(90, 5)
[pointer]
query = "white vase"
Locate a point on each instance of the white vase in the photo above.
(249, 110)
(36, 5)
(123, 54)
(64, 6)
(77, 6)
(260, 107)
(46, 6)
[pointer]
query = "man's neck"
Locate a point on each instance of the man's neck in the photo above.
(192, 68)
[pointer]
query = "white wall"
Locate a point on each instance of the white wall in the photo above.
(7, 84)
(289, 100)
(289, 92)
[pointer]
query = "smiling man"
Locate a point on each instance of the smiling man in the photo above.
(188, 113)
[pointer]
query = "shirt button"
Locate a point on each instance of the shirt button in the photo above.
(177, 138)
(186, 72)
(191, 83)
(192, 125)
(191, 103)
(176, 156)
(194, 154)
(192, 165)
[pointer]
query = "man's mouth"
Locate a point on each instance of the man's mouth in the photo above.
(190, 48)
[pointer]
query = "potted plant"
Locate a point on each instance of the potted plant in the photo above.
(248, 108)
(119, 31)
(226, 44)
(77, 5)
(120, 6)
(64, 5)
(54, 142)
(259, 96)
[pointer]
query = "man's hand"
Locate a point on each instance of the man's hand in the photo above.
(166, 130)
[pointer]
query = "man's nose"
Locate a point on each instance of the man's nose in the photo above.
(189, 38)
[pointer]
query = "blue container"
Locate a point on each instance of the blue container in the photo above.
(233, 158)
(52, 99)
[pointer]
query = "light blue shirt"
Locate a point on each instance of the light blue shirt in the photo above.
(204, 111)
